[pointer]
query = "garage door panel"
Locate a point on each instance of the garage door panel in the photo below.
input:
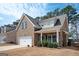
(25, 40)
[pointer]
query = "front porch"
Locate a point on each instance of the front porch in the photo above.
(59, 37)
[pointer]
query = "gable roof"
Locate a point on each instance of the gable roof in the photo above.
(32, 20)
(62, 19)
(36, 23)
(54, 19)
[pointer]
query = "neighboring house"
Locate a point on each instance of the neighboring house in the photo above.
(6, 34)
(29, 31)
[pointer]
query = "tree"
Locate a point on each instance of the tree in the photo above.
(44, 17)
(72, 18)
(70, 11)
(37, 18)
(15, 23)
(49, 14)
(56, 12)
(75, 22)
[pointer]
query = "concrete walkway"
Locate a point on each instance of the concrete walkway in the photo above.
(4, 48)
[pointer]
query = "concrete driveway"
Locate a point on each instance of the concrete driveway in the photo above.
(5, 47)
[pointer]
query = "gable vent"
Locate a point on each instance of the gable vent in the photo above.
(57, 22)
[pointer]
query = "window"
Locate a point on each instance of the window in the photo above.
(23, 25)
(57, 22)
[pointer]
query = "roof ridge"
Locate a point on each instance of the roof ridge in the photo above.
(28, 15)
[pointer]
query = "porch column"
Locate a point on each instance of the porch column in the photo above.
(57, 36)
(51, 38)
(41, 37)
(61, 38)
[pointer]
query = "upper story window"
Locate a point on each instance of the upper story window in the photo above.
(23, 25)
(57, 22)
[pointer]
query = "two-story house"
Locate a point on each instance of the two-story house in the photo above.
(29, 31)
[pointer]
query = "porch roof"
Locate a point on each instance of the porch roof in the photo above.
(66, 32)
(49, 30)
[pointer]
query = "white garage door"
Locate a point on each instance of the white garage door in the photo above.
(27, 40)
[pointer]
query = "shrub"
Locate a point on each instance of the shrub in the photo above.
(39, 44)
(55, 44)
(45, 43)
(50, 45)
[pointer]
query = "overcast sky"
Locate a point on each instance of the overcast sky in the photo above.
(13, 11)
